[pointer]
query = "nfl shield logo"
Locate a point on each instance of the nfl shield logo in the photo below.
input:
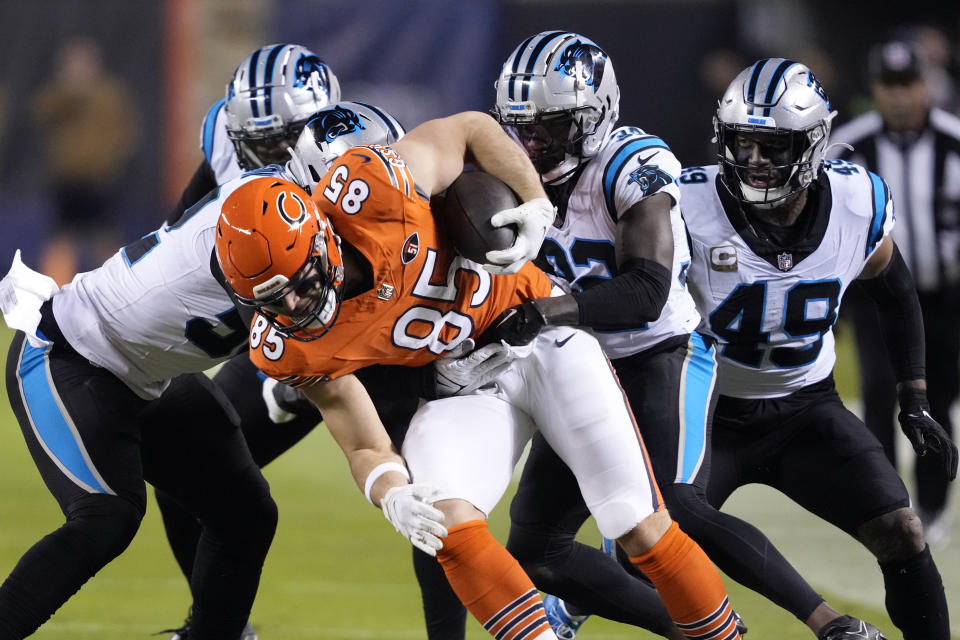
(785, 261)
(385, 292)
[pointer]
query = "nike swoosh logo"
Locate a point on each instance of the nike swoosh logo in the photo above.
(645, 160)
(365, 158)
(560, 343)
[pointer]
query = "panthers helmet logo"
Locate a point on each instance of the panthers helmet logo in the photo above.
(304, 70)
(650, 178)
(592, 60)
(337, 122)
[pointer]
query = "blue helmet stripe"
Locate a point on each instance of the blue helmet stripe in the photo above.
(880, 198)
(252, 82)
(209, 128)
(754, 79)
(387, 120)
(774, 82)
(269, 70)
(535, 55)
(613, 169)
(516, 65)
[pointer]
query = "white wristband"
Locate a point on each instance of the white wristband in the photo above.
(378, 471)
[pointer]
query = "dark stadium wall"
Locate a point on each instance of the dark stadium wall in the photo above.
(419, 59)
(426, 58)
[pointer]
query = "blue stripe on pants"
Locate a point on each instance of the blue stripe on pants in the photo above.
(52, 427)
(697, 380)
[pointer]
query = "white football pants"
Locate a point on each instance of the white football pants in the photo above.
(562, 384)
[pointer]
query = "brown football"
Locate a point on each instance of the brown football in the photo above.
(465, 212)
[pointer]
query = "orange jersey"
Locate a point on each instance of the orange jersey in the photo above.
(426, 299)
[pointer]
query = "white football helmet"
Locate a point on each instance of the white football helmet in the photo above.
(269, 99)
(330, 132)
(557, 95)
(780, 105)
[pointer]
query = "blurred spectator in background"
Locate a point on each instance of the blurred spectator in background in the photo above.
(88, 122)
(934, 47)
(915, 147)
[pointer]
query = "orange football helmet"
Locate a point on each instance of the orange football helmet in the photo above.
(272, 241)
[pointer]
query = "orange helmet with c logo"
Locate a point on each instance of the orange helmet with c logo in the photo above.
(273, 240)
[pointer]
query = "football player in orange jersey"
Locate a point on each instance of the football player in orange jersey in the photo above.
(391, 290)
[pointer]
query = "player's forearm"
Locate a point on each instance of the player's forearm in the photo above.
(497, 154)
(376, 472)
(354, 424)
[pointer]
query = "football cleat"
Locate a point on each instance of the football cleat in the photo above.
(741, 627)
(564, 625)
(183, 633)
(849, 628)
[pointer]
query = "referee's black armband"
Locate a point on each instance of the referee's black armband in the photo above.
(634, 296)
(901, 319)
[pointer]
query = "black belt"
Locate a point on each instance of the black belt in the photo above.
(49, 328)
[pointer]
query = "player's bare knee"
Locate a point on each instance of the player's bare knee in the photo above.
(894, 535)
(457, 511)
(648, 532)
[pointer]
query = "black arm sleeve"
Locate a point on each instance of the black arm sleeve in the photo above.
(901, 319)
(634, 296)
(202, 182)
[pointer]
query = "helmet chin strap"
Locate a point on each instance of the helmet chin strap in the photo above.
(563, 171)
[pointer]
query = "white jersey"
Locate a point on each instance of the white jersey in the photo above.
(772, 310)
(154, 310)
(629, 166)
(216, 145)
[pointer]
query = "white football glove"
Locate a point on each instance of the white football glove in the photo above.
(276, 413)
(409, 508)
(472, 371)
(532, 218)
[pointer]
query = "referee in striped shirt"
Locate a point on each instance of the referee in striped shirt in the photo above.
(916, 149)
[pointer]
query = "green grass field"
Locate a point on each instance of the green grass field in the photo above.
(337, 569)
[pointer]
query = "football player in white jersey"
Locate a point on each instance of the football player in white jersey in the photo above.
(91, 388)
(619, 245)
(776, 236)
(89, 379)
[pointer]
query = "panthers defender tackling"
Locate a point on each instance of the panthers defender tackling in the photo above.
(390, 290)
(777, 235)
(619, 245)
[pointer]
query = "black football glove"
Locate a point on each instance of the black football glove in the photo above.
(925, 433)
(516, 326)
